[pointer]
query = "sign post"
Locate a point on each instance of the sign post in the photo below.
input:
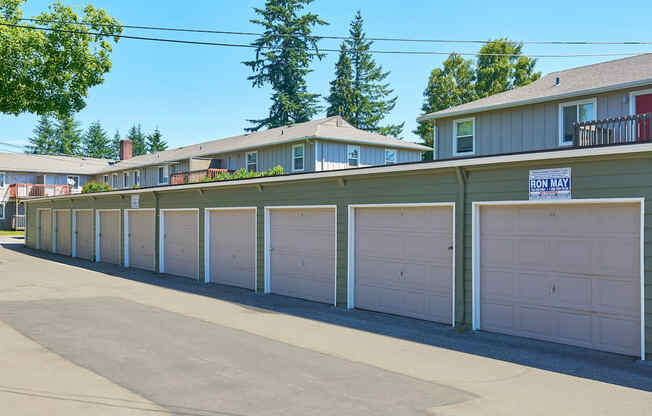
(550, 184)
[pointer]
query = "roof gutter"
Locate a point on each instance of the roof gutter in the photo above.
(408, 167)
(625, 85)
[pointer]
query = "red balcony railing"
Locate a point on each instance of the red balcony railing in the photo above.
(194, 176)
(32, 190)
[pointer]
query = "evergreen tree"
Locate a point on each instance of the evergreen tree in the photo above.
(44, 139)
(68, 136)
(283, 56)
(497, 73)
(340, 99)
(371, 102)
(97, 143)
(451, 85)
(155, 142)
(138, 139)
(115, 146)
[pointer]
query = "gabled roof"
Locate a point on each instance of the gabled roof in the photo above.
(19, 162)
(331, 128)
(606, 76)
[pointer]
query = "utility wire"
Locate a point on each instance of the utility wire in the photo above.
(391, 52)
(224, 32)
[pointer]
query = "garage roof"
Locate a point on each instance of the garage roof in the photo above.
(612, 75)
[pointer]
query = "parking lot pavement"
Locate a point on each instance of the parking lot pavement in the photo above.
(183, 347)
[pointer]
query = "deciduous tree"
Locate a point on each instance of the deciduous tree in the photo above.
(50, 71)
(501, 67)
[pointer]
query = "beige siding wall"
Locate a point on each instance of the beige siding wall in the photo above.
(525, 128)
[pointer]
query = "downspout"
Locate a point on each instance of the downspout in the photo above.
(434, 139)
(460, 281)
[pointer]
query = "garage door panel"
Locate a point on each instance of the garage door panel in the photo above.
(142, 229)
(572, 280)
(181, 243)
(110, 237)
(45, 232)
(84, 234)
(403, 262)
(302, 253)
(64, 234)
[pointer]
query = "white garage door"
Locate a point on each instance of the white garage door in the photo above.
(563, 273)
(180, 242)
(232, 250)
(84, 234)
(63, 230)
(404, 261)
(45, 229)
(302, 253)
(110, 230)
(141, 237)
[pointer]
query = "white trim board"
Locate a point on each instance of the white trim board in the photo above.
(267, 238)
(98, 228)
(125, 236)
(475, 250)
(161, 251)
(455, 142)
(351, 245)
(207, 240)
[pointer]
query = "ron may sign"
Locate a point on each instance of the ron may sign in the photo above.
(548, 184)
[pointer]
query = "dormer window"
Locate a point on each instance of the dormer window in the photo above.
(353, 155)
(252, 162)
(298, 157)
(163, 178)
(464, 137)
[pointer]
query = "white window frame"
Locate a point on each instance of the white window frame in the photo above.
(166, 175)
(455, 122)
(114, 181)
(395, 156)
(560, 118)
(105, 179)
(78, 180)
(136, 174)
(3, 182)
(348, 159)
(303, 157)
(125, 179)
(255, 152)
(632, 99)
(2, 211)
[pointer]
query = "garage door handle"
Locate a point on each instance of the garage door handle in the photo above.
(450, 247)
(554, 288)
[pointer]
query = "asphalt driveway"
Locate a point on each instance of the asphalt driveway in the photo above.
(117, 341)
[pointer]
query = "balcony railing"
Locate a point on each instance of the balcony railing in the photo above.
(31, 190)
(195, 176)
(618, 130)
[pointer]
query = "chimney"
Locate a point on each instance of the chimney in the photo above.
(126, 147)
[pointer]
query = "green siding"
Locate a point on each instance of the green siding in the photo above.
(599, 177)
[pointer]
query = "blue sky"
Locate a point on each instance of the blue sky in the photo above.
(196, 93)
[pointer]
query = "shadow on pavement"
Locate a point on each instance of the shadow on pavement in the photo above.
(590, 364)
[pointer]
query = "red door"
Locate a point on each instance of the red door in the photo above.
(644, 105)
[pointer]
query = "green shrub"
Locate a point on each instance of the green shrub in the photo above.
(91, 187)
(243, 174)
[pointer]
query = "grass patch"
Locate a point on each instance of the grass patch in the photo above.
(12, 233)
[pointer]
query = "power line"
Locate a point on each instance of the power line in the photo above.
(391, 52)
(225, 32)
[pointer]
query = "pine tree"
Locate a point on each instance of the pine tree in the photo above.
(340, 99)
(43, 141)
(370, 91)
(503, 70)
(155, 142)
(283, 56)
(451, 85)
(68, 136)
(115, 146)
(138, 139)
(96, 142)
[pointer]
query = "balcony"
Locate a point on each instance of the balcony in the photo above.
(31, 190)
(618, 130)
(195, 176)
